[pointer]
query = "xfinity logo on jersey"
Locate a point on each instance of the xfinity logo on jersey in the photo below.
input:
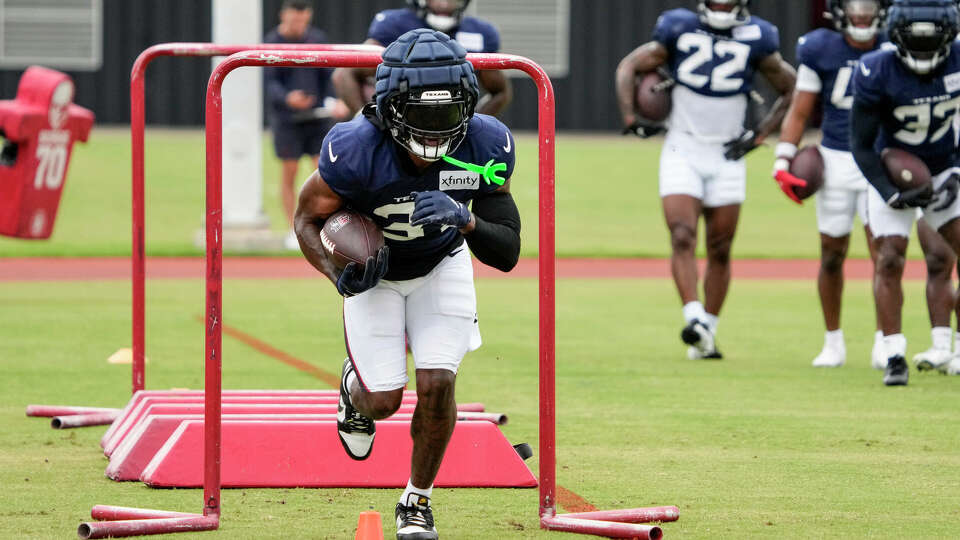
(750, 32)
(952, 82)
(454, 180)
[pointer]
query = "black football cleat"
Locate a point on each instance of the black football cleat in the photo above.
(897, 372)
(355, 430)
(415, 519)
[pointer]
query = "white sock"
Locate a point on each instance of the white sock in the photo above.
(956, 342)
(411, 489)
(834, 340)
(694, 310)
(941, 337)
(878, 336)
(712, 322)
(895, 345)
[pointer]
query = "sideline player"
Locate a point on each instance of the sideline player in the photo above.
(908, 99)
(387, 164)
(475, 35)
(713, 55)
(827, 60)
(300, 104)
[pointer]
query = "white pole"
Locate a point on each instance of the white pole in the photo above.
(240, 21)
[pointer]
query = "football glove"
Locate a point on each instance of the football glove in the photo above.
(735, 149)
(911, 198)
(946, 194)
(781, 171)
(643, 129)
(438, 208)
(353, 280)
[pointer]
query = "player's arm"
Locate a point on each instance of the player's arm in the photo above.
(316, 203)
(791, 131)
(644, 58)
(782, 77)
(864, 128)
(499, 91)
(348, 83)
(493, 233)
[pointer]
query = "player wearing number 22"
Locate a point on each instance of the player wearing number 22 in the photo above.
(713, 55)
(907, 99)
(412, 162)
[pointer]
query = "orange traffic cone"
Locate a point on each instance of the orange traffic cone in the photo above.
(369, 526)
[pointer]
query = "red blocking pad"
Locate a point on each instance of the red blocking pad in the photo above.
(309, 454)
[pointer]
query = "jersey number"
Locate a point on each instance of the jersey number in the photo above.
(839, 97)
(401, 230)
(915, 131)
(702, 50)
(53, 163)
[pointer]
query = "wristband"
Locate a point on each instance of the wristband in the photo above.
(785, 150)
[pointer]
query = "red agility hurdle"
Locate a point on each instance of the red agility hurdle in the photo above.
(120, 521)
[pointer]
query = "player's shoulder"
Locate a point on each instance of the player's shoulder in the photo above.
(677, 21)
(390, 24)
(765, 26)
(348, 149)
(473, 24)
(391, 16)
(485, 127)
(489, 140)
(478, 35)
(758, 33)
(821, 40)
(879, 60)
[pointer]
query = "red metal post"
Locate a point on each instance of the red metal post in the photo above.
(137, 127)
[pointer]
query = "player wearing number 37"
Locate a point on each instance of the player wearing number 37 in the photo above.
(712, 55)
(412, 162)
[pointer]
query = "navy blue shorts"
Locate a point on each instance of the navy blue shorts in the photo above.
(290, 141)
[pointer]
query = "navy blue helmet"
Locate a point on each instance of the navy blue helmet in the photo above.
(723, 14)
(426, 92)
(923, 31)
(859, 19)
(450, 17)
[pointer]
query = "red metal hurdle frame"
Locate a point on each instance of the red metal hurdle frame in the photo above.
(121, 521)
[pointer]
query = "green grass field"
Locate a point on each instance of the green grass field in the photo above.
(607, 202)
(759, 445)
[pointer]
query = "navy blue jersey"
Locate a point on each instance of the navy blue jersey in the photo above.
(373, 175)
(279, 81)
(714, 63)
(474, 34)
(917, 112)
(828, 54)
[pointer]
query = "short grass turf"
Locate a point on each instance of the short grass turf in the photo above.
(606, 190)
(759, 445)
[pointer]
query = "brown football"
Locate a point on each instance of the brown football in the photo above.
(350, 237)
(905, 170)
(808, 165)
(650, 104)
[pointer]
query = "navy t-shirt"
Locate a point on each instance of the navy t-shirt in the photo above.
(828, 54)
(474, 34)
(279, 81)
(374, 176)
(714, 63)
(917, 112)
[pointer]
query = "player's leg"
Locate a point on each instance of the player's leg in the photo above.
(877, 358)
(375, 371)
(940, 261)
(946, 222)
(440, 315)
(721, 226)
(681, 193)
(891, 229)
(836, 209)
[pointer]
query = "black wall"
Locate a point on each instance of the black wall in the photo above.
(601, 33)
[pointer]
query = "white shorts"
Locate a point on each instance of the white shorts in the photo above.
(844, 194)
(886, 221)
(692, 167)
(436, 312)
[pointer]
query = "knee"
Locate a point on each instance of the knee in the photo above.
(890, 263)
(718, 250)
(939, 265)
(435, 388)
(831, 261)
(380, 405)
(683, 238)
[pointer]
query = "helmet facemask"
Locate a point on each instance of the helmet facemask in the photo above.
(430, 122)
(860, 19)
(923, 45)
(723, 14)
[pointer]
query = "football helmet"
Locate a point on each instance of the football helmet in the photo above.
(443, 22)
(851, 17)
(426, 92)
(923, 31)
(730, 13)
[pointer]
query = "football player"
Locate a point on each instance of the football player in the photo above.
(908, 98)
(713, 55)
(827, 61)
(412, 163)
(475, 35)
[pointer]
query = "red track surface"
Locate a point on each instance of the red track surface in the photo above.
(87, 268)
